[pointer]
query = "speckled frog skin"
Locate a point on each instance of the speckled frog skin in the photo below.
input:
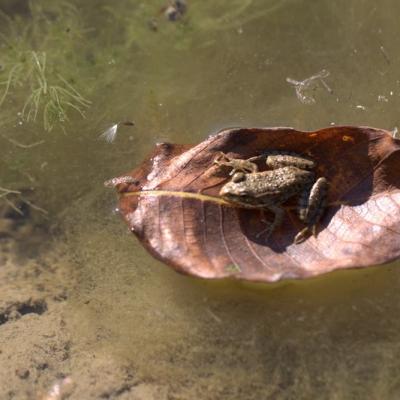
(289, 175)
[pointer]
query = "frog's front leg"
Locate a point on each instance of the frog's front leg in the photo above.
(237, 164)
(278, 217)
(311, 207)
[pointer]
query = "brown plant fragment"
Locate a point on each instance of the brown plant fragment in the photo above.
(166, 203)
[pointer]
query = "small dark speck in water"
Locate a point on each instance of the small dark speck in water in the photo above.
(175, 10)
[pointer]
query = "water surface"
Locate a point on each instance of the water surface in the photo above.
(224, 64)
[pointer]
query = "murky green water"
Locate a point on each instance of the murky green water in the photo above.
(225, 64)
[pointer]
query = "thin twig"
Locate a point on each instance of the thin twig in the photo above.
(34, 206)
(21, 145)
(3, 189)
(214, 316)
(13, 206)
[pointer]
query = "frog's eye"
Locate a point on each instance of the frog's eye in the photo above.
(238, 177)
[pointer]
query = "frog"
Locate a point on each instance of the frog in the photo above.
(288, 175)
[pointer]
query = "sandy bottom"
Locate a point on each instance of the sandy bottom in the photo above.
(40, 357)
(85, 313)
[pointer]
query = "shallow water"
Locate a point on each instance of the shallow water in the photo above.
(225, 64)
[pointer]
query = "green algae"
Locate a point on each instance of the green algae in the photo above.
(38, 52)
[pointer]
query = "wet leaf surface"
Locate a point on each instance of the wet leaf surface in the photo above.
(171, 203)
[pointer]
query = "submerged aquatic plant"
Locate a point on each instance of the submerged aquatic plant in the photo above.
(54, 99)
(37, 52)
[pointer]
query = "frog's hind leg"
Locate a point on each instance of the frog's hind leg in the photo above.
(311, 207)
(279, 159)
(278, 217)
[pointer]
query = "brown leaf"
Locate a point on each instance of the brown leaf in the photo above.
(171, 203)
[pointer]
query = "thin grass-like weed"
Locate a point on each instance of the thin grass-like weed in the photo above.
(36, 53)
(53, 98)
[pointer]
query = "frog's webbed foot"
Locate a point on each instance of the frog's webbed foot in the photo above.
(311, 207)
(237, 164)
(278, 217)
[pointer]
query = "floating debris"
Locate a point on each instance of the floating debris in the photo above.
(153, 25)
(383, 98)
(361, 107)
(110, 133)
(310, 84)
(175, 10)
(385, 55)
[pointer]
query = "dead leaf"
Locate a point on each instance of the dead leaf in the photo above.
(171, 203)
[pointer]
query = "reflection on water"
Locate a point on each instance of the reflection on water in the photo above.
(224, 64)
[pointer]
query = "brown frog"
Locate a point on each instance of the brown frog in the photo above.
(289, 175)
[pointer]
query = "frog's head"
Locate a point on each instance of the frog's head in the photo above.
(235, 188)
